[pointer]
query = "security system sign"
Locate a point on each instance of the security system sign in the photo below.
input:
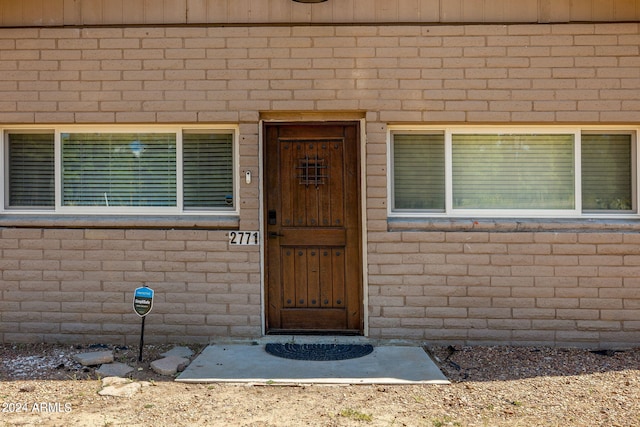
(143, 301)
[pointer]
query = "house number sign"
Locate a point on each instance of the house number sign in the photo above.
(244, 237)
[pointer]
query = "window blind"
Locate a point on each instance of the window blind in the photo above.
(119, 169)
(31, 170)
(513, 171)
(207, 170)
(419, 177)
(607, 172)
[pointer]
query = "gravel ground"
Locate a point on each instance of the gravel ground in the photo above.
(491, 386)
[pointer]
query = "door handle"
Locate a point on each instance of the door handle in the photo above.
(274, 234)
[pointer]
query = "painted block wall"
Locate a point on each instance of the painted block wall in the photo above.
(71, 282)
(76, 285)
(543, 288)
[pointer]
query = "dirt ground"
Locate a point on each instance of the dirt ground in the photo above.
(491, 386)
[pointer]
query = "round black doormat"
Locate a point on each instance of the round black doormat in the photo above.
(319, 351)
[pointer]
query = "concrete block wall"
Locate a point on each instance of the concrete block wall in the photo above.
(585, 73)
(449, 285)
(76, 285)
(504, 287)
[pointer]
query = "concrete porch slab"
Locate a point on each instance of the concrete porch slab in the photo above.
(241, 363)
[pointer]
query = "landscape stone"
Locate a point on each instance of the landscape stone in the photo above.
(94, 358)
(121, 387)
(109, 381)
(169, 365)
(179, 351)
(115, 369)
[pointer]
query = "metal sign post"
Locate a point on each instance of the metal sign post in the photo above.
(142, 304)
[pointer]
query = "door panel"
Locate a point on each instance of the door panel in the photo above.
(314, 261)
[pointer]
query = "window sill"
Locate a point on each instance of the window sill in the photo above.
(209, 222)
(505, 225)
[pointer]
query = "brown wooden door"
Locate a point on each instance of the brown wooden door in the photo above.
(312, 223)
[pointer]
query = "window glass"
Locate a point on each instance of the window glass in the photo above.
(607, 172)
(419, 177)
(513, 171)
(31, 174)
(119, 169)
(208, 170)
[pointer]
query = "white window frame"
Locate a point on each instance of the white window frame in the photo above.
(120, 210)
(450, 212)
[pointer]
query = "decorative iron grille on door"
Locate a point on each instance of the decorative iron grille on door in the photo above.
(312, 171)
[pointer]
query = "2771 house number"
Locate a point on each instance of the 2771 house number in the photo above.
(244, 237)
